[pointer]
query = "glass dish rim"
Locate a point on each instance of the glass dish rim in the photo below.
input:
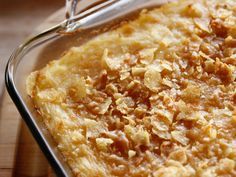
(20, 103)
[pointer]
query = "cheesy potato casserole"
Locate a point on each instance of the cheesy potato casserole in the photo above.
(155, 97)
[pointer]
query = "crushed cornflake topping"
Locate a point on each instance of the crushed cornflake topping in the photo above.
(180, 137)
(152, 79)
(191, 94)
(147, 55)
(179, 155)
(131, 153)
(104, 106)
(154, 97)
(93, 128)
(110, 63)
(141, 137)
(103, 143)
(138, 71)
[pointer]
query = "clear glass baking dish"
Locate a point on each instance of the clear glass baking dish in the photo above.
(50, 44)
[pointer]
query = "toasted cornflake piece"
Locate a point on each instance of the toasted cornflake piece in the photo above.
(130, 119)
(211, 132)
(103, 143)
(93, 128)
(185, 112)
(152, 79)
(111, 89)
(183, 107)
(147, 55)
(129, 130)
(230, 60)
(180, 137)
(167, 83)
(230, 41)
(225, 72)
(110, 63)
(234, 118)
(141, 109)
(131, 153)
(226, 165)
(125, 104)
(179, 155)
(162, 134)
(210, 66)
(218, 27)
(163, 35)
(203, 55)
(104, 106)
(77, 89)
(202, 24)
(124, 75)
(191, 94)
(138, 71)
(141, 137)
(159, 124)
(165, 115)
(194, 10)
(167, 66)
(232, 31)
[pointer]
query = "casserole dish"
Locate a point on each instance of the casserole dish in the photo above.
(40, 49)
(154, 96)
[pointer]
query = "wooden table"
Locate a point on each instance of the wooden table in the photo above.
(19, 154)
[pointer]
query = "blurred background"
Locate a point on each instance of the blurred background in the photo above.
(18, 18)
(19, 154)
